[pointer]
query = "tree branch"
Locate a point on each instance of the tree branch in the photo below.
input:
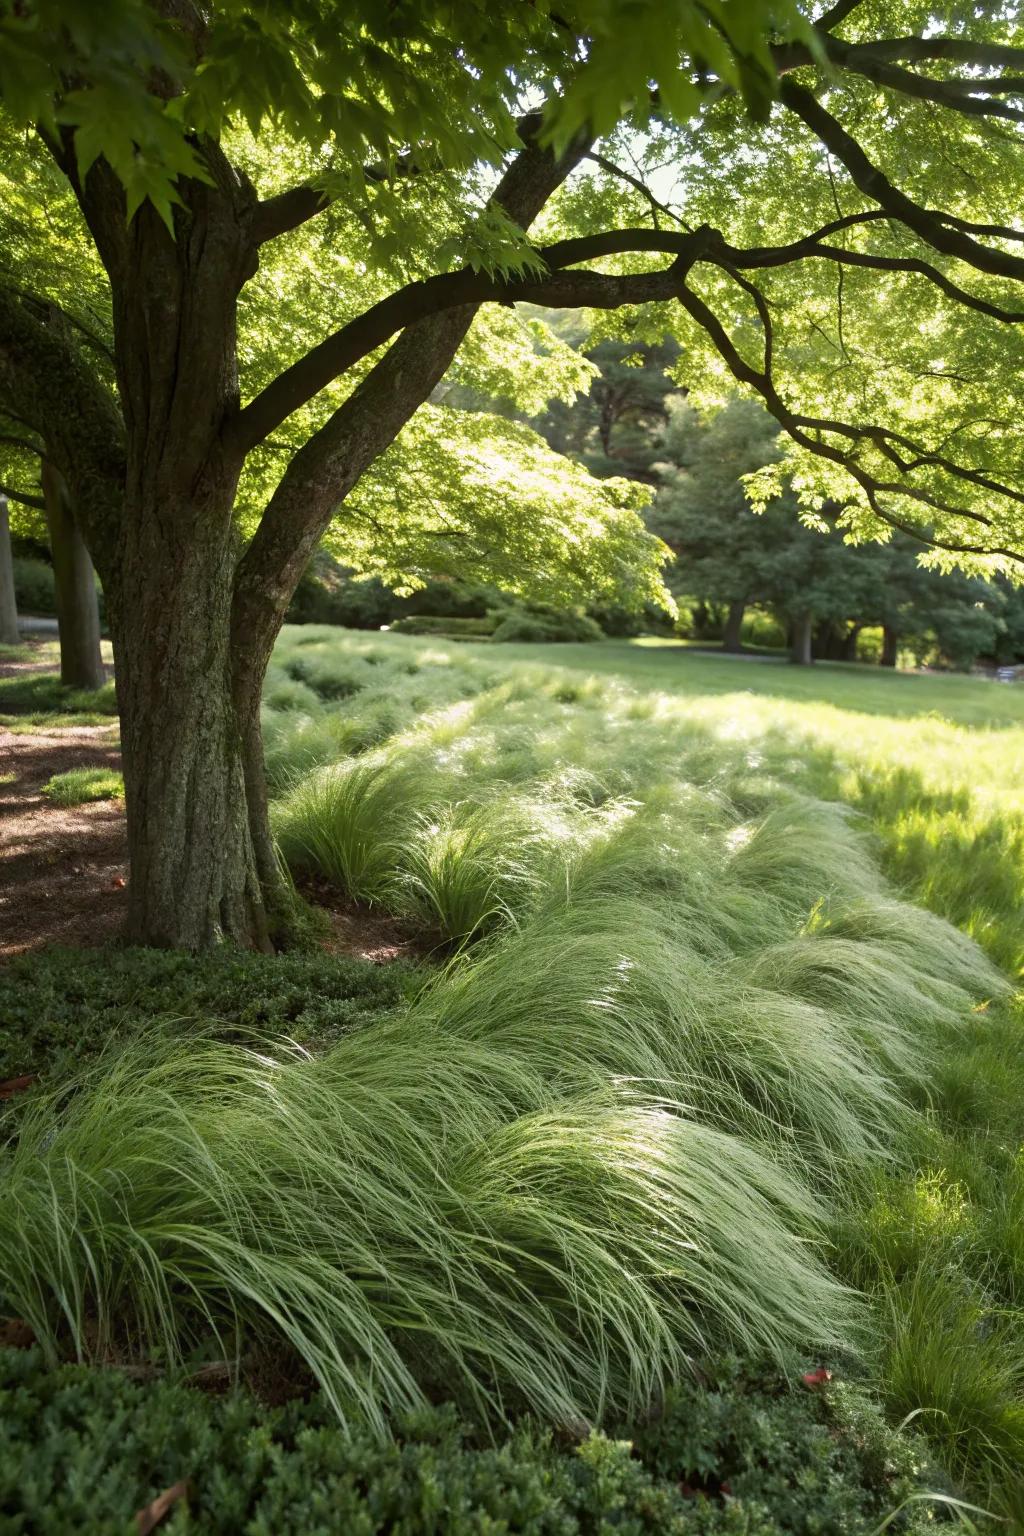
(324, 470)
(875, 184)
(21, 442)
(795, 425)
(24, 497)
(836, 14)
(287, 211)
(954, 94)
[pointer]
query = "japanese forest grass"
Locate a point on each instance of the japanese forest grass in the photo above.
(678, 1012)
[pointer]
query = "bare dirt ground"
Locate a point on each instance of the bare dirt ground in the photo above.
(62, 869)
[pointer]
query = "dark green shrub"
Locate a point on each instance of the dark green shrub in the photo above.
(762, 628)
(448, 627)
(82, 1450)
(453, 600)
(327, 593)
(33, 586)
(60, 1007)
(819, 1458)
(621, 623)
(536, 626)
(34, 589)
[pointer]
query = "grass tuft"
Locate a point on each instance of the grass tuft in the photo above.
(80, 786)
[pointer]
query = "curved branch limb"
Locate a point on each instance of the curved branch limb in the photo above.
(324, 470)
(795, 425)
(870, 180)
(24, 497)
(954, 94)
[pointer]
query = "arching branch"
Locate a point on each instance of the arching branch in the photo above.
(24, 497)
(870, 180)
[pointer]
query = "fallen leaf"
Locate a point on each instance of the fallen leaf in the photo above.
(149, 1518)
(15, 1085)
(817, 1378)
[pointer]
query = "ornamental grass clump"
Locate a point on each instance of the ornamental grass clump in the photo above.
(410, 1211)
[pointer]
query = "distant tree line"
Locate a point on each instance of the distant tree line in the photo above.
(823, 592)
(739, 577)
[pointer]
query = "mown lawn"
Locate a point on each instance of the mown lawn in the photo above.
(685, 1079)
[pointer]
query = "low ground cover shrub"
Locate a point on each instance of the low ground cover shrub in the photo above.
(59, 1009)
(539, 627)
(82, 1450)
(447, 626)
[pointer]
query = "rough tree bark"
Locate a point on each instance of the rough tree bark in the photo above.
(732, 634)
(8, 606)
(78, 609)
(801, 653)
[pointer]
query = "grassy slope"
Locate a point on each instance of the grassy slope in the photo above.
(934, 763)
(937, 763)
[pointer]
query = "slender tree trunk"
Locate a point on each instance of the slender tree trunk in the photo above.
(8, 606)
(78, 609)
(850, 643)
(890, 646)
(824, 642)
(732, 634)
(800, 650)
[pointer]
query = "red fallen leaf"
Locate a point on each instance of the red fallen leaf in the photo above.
(817, 1378)
(15, 1085)
(119, 882)
(149, 1518)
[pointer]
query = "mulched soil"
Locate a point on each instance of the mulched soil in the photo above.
(64, 868)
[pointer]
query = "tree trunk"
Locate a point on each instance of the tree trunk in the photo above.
(890, 646)
(8, 606)
(194, 875)
(732, 634)
(850, 643)
(800, 651)
(78, 609)
(825, 641)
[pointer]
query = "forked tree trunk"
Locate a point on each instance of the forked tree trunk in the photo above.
(801, 653)
(78, 609)
(193, 626)
(732, 634)
(8, 605)
(890, 646)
